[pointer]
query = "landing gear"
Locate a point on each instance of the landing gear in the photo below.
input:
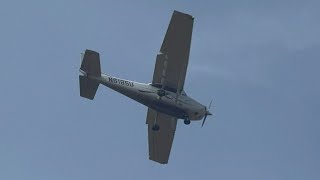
(155, 127)
(186, 121)
(161, 92)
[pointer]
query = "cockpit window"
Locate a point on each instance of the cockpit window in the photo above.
(156, 85)
(165, 88)
(168, 89)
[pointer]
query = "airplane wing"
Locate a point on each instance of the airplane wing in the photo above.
(172, 61)
(160, 142)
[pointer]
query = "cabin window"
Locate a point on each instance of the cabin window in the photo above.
(157, 85)
(165, 88)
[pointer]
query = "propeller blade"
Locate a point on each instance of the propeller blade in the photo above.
(206, 113)
(210, 104)
(204, 120)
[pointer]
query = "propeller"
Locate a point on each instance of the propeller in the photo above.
(207, 113)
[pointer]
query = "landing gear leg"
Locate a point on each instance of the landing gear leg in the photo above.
(186, 121)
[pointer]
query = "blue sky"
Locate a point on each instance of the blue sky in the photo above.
(258, 60)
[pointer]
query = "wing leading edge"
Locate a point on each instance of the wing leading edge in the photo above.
(172, 61)
(160, 142)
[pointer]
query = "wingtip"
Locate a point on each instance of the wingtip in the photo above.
(182, 13)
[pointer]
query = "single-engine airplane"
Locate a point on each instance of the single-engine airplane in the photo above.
(165, 98)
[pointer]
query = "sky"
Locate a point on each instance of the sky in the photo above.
(257, 60)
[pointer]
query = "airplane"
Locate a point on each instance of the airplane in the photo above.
(164, 96)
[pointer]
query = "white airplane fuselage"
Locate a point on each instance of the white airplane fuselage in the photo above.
(179, 105)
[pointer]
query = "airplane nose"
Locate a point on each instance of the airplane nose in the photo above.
(208, 113)
(206, 110)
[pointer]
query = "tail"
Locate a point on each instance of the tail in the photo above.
(90, 68)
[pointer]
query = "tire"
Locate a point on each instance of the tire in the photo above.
(155, 127)
(161, 92)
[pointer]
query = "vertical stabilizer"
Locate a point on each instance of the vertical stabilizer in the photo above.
(91, 63)
(90, 68)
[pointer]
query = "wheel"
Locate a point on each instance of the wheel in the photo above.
(155, 127)
(161, 92)
(187, 122)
